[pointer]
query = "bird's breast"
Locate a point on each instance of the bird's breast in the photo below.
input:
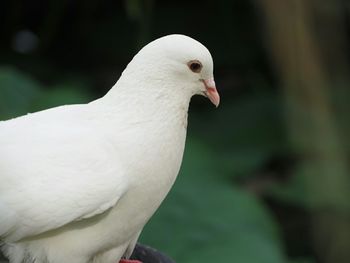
(154, 165)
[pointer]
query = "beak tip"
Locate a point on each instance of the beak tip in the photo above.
(211, 92)
(214, 97)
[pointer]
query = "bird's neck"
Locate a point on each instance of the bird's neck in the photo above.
(150, 99)
(152, 117)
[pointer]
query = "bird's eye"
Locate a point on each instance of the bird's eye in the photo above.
(195, 66)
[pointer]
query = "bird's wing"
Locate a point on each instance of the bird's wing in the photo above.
(52, 174)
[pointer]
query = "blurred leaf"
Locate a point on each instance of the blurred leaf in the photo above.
(17, 92)
(297, 190)
(248, 131)
(206, 218)
(302, 260)
(61, 94)
(294, 191)
(321, 177)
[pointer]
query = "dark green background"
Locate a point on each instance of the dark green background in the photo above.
(265, 176)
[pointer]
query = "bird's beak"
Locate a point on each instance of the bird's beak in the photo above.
(211, 91)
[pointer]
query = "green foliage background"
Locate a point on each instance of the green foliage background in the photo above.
(244, 191)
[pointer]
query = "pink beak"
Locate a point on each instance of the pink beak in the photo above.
(211, 91)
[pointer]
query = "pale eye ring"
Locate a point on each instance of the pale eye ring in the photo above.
(195, 66)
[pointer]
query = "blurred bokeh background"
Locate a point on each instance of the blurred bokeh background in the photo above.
(265, 177)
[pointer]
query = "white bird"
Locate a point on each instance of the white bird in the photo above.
(79, 182)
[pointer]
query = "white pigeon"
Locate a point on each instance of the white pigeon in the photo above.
(79, 182)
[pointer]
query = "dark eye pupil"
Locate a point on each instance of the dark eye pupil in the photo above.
(195, 67)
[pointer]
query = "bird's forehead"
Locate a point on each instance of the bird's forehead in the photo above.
(181, 48)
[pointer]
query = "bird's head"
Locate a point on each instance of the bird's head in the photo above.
(181, 60)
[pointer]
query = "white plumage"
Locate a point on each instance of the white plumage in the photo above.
(79, 182)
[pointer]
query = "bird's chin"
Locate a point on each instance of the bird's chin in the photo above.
(202, 93)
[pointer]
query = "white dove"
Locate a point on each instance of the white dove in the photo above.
(79, 182)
